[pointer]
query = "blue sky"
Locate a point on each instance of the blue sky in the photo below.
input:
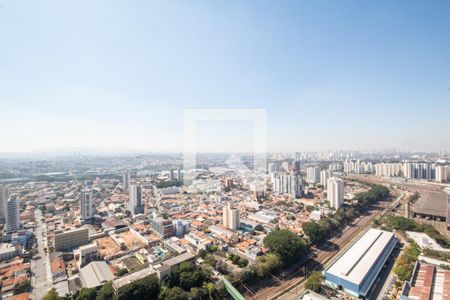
(331, 74)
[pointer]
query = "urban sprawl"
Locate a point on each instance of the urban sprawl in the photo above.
(304, 225)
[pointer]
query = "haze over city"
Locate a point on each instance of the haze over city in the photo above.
(341, 75)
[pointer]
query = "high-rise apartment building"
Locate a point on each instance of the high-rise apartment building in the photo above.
(86, 204)
(126, 181)
(135, 205)
(441, 173)
(335, 192)
(3, 198)
(324, 175)
(231, 217)
(273, 167)
(287, 184)
(312, 174)
(296, 186)
(12, 214)
(297, 167)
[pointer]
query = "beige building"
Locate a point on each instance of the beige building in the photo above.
(70, 239)
(231, 217)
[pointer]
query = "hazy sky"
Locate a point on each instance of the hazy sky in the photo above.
(330, 74)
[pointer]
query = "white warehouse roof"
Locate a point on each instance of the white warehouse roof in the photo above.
(356, 262)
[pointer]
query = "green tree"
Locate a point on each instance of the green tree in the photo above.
(51, 295)
(197, 293)
(86, 294)
(106, 292)
(235, 259)
(314, 281)
(202, 253)
(144, 288)
(243, 262)
(122, 272)
(175, 293)
(405, 263)
(266, 264)
(316, 232)
(186, 275)
(210, 287)
(287, 245)
(22, 287)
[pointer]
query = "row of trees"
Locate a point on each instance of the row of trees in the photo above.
(405, 263)
(375, 194)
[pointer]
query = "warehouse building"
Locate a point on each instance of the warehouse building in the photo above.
(356, 270)
(433, 206)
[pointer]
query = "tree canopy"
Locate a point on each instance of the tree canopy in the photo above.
(144, 288)
(51, 295)
(313, 282)
(316, 232)
(287, 245)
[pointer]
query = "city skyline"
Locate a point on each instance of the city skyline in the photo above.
(331, 76)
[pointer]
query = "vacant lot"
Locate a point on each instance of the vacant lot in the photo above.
(107, 247)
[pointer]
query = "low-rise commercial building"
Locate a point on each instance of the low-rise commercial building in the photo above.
(70, 239)
(427, 282)
(95, 274)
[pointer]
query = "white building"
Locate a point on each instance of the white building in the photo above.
(441, 173)
(231, 218)
(313, 174)
(335, 167)
(86, 204)
(388, 169)
(135, 200)
(12, 214)
(324, 175)
(335, 192)
(273, 167)
(287, 184)
(264, 217)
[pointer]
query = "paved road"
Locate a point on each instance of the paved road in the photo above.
(42, 277)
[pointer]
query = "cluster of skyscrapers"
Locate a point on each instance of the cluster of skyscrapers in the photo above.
(286, 178)
(357, 167)
(287, 184)
(414, 170)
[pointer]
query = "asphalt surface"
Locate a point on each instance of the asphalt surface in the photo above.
(42, 277)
